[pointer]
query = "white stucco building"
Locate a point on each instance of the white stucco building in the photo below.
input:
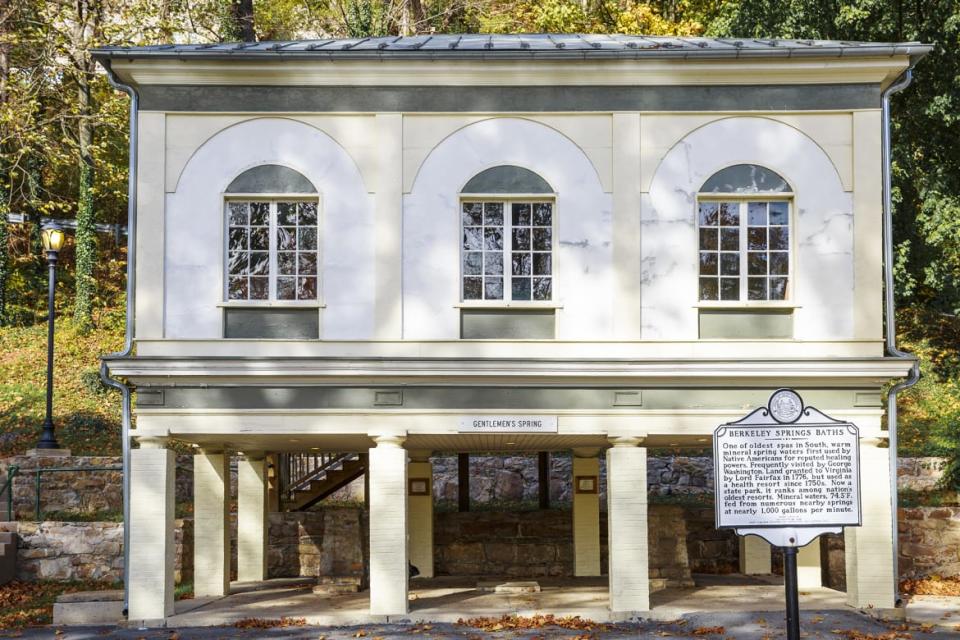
(362, 246)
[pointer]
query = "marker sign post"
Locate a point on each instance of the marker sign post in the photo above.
(787, 473)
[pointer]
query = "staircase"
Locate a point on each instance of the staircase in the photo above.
(308, 478)
(8, 556)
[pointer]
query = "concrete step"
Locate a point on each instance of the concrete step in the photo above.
(526, 586)
(335, 585)
(8, 557)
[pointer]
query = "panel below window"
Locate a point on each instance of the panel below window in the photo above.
(285, 324)
(744, 324)
(507, 324)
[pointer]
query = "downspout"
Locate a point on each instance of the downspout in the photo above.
(129, 329)
(891, 327)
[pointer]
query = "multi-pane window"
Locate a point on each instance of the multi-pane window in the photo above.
(507, 250)
(744, 249)
(272, 250)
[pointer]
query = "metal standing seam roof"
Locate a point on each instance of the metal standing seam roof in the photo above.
(520, 46)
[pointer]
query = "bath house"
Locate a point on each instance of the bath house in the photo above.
(349, 255)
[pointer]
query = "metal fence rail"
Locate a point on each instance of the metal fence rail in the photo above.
(12, 471)
(116, 230)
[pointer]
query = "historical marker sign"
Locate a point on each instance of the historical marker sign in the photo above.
(787, 473)
(786, 465)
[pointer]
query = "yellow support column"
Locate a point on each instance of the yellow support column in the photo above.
(586, 513)
(420, 512)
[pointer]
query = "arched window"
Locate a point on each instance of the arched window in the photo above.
(272, 223)
(507, 222)
(744, 214)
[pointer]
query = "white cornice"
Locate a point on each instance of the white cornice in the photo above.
(510, 73)
(460, 372)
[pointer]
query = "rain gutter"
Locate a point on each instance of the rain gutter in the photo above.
(891, 321)
(124, 388)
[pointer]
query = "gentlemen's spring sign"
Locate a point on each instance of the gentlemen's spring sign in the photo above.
(786, 465)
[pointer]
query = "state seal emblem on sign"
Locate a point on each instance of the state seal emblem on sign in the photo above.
(785, 405)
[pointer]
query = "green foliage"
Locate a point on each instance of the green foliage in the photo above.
(4, 257)
(86, 240)
(926, 122)
(929, 419)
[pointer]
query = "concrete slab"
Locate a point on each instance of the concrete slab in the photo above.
(941, 611)
(448, 599)
(508, 587)
(89, 608)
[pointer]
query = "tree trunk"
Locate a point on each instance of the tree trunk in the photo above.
(86, 240)
(241, 15)
(5, 19)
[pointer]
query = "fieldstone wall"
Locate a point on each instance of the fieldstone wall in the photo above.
(929, 541)
(68, 550)
(711, 550)
(920, 474)
(532, 544)
(314, 543)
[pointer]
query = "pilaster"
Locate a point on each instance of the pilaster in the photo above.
(586, 513)
(389, 566)
(420, 512)
(754, 556)
(869, 548)
(251, 518)
(627, 523)
(211, 532)
(152, 495)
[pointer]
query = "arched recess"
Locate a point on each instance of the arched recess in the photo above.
(194, 226)
(431, 226)
(823, 244)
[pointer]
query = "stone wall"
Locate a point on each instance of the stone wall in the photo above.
(920, 474)
(68, 550)
(929, 541)
(710, 550)
(313, 543)
(533, 544)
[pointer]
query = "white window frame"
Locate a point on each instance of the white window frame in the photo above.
(507, 200)
(272, 199)
(743, 199)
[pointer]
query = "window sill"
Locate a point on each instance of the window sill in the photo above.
(754, 305)
(275, 304)
(496, 304)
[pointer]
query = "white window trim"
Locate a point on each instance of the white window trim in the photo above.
(742, 199)
(271, 302)
(507, 200)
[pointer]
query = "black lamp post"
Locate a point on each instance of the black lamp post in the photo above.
(52, 236)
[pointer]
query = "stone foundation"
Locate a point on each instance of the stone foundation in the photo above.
(929, 541)
(533, 544)
(68, 550)
(317, 543)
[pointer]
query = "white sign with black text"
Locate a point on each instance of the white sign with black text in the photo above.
(787, 465)
(508, 424)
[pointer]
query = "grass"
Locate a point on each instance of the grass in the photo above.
(183, 591)
(29, 604)
(86, 414)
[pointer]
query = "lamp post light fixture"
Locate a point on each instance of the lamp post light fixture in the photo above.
(52, 236)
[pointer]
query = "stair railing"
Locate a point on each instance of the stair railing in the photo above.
(7, 487)
(298, 470)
